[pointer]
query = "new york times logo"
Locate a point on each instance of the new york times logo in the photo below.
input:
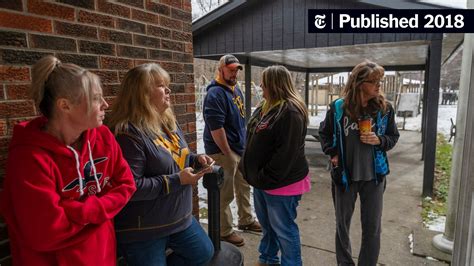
(319, 21)
(390, 21)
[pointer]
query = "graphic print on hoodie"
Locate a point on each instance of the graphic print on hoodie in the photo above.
(51, 220)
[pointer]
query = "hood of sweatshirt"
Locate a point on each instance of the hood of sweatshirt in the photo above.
(77, 168)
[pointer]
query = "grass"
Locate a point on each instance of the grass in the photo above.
(436, 206)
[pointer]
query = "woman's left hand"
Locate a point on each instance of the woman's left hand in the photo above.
(205, 160)
(369, 138)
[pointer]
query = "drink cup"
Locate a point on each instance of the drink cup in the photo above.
(365, 125)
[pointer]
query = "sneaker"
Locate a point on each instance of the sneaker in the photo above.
(234, 239)
(254, 226)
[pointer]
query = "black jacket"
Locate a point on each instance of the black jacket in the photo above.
(274, 156)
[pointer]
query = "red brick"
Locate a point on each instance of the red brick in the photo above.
(17, 91)
(44, 8)
(20, 57)
(183, 57)
(75, 30)
(4, 142)
(146, 41)
(177, 88)
(182, 78)
(187, 6)
(107, 76)
(12, 4)
(110, 89)
(2, 92)
(106, 7)
(171, 23)
(11, 38)
(86, 61)
(130, 25)
(23, 22)
(158, 31)
(115, 63)
(181, 15)
(3, 127)
(17, 109)
(14, 73)
(192, 125)
(141, 62)
(189, 88)
(131, 51)
(158, 8)
(160, 55)
(172, 45)
(179, 109)
(52, 43)
(182, 36)
(96, 48)
(192, 146)
(188, 68)
(95, 19)
(110, 101)
(188, 48)
(174, 3)
(188, 27)
(172, 67)
(115, 36)
(89, 4)
(122, 75)
(135, 3)
(184, 98)
(144, 16)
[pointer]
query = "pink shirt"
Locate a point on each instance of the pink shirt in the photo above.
(298, 188)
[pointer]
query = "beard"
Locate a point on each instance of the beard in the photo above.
(231, 82)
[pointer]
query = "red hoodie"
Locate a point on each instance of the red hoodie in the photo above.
(49, 222)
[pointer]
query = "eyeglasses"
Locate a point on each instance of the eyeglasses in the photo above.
(377, 83)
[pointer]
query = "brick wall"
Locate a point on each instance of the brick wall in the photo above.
(107, 37)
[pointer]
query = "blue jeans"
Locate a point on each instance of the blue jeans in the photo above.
(277, 216)
(191, 246)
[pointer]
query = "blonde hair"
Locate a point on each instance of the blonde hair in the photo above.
(352, 94)
(277, 80)
(52, 80)
(133, 103)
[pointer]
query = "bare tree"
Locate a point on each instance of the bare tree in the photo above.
(202, 7)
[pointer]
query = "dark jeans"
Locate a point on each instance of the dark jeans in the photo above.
(191, 246)
(371, 205)
(277, 215)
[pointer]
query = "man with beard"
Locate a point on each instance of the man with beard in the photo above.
(224, 141)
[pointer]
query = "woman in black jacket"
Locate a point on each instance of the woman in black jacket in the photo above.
(274, 164)
(358, 130)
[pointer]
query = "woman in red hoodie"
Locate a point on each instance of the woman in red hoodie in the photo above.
(66, 177)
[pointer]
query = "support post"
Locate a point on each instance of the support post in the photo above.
(429, 144)
(306, 89)
(248, 89)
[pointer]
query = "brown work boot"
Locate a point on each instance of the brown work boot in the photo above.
(234, 239)
(254, 226)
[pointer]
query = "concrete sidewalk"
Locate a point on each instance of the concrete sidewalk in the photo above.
(401, 215)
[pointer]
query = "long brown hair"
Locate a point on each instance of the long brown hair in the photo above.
(133, 104)
(52, 80)
(352, 93)
(277, 79)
